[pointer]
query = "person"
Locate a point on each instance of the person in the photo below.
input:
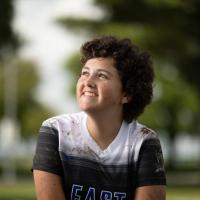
(103, 152)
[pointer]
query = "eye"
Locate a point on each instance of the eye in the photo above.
(84, 73)
(102, 76)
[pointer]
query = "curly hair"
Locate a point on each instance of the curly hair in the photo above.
(134, 67)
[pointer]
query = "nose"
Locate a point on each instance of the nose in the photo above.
(90, 81)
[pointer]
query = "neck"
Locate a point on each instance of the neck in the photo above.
(103, 128)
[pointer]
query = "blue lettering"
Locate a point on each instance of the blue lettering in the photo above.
(90, 194)
(75, 194)
(106, 195)
(120, 195)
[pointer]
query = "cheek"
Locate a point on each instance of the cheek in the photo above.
(106, 89)
(111, 90)
(78, 87)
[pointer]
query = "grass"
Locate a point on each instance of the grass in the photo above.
(183, 193)
(24, 190)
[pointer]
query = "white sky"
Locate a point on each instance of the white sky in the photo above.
(49, 44)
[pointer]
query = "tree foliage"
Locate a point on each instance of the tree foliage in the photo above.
(170, 31)
(29, 112)
(173, 26)
(8, 38)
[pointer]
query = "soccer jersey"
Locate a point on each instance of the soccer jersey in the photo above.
(66, 148)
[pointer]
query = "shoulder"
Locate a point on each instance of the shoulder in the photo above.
(140, 132)
(143, 132)
(65, 121)
(141, 135)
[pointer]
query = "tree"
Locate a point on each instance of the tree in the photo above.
(29, 112)
(175, 108)
(169, 30)
(8, 38)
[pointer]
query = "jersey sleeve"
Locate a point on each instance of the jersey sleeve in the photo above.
(47, 156)
(150, 166)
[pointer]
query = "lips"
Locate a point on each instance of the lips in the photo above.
(89, 93)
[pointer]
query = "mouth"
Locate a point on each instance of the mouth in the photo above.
(89, 94)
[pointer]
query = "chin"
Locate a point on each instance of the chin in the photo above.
(85, 108)
(88, 109)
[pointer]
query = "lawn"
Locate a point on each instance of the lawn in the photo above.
(24, 190)
(183, 193)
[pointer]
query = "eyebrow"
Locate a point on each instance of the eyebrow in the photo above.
(99, 70)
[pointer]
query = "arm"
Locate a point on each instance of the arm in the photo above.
(150, 172)
(48, 186)
(155, 192)
(47, 167)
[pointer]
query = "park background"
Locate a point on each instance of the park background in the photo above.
(39, 63)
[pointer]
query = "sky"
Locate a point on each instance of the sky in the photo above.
(49, 45)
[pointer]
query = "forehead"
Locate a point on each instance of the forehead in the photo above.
(101, 63)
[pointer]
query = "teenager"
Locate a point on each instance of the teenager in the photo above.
(103, 152)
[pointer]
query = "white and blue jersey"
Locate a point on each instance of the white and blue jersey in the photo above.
(133, 159)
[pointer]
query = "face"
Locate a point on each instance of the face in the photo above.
(99, 87)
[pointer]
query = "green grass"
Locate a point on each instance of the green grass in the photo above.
(183, 193)
(24, 190)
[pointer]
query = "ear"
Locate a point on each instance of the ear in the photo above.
(125, 99)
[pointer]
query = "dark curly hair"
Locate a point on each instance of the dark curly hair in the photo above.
(134, 67)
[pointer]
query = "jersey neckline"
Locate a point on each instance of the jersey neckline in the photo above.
(120, 137)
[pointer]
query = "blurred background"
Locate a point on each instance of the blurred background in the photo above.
(39, 64)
